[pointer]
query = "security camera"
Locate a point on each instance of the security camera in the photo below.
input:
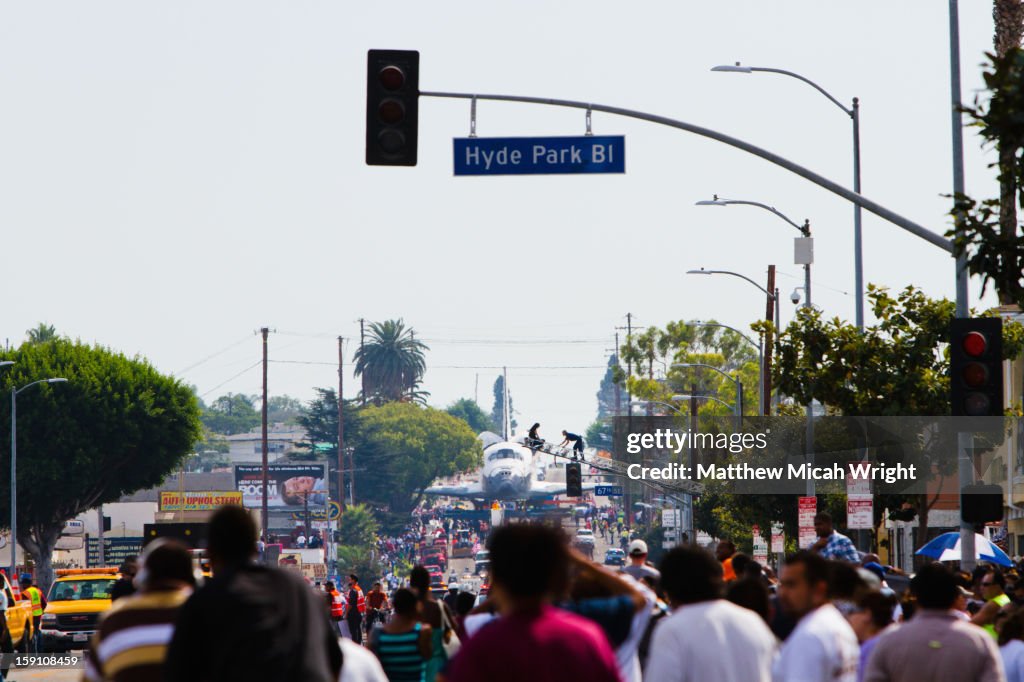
(795, 296)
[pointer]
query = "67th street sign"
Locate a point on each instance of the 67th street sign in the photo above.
(539, 155)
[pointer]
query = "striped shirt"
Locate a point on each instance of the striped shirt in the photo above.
(132, 640)
(400, 655)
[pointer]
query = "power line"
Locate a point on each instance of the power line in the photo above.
(430, 367)
(213, 355)
(252, 366)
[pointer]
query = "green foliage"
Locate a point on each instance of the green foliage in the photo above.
(606, 405)
(599, 434)
(357, 526)
(391, 363)
(990, 234)
(232, 413)
(115, 427)
(361, 560)
(404, 447)
(284, 409)
(468, 411)
(498, 411)
(41, 333)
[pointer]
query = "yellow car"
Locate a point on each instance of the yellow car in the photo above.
(18, 616)
(77, 599)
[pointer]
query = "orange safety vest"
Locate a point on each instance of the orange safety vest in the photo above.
(337, 605)
(361, 600)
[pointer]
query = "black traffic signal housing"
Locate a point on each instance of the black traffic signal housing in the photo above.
(392, 107)
(981, 503)
(976, 367)
(574, 479)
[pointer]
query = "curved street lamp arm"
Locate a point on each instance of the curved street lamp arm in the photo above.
(736, 274)
(658, 402)
(40, 381)
(700, 364)
(686, 396)
(804, 229)
(848, 112)
(725, 326)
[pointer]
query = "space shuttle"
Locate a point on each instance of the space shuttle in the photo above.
(509, 471)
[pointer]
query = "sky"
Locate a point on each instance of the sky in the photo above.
(174, 176)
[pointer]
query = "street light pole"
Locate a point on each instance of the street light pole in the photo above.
(14, 469)
(774, 298)
(854, 113)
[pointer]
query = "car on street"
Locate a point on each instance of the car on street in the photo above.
(17, 618)
(614, 557)
(585, 537)
(77, 599)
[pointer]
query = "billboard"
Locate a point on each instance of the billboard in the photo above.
(115, 551)
(199, 501)
(288, 485)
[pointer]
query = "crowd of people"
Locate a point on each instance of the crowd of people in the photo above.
(551, 614)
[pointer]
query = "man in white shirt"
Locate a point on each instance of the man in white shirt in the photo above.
(823, 647)
(706, 637)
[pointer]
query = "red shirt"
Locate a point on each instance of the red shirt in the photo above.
(551, 645)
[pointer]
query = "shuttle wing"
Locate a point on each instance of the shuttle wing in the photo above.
(541, 489)
(472, 490)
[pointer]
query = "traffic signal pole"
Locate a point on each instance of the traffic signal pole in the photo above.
(834, 187)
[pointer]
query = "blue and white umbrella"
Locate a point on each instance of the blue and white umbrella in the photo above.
(946, 547)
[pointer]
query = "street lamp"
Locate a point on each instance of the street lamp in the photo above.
(648, 403)
(14, 467)
(735, 380)
(773, 297)
(854, 113)
(679, 397)
(760, 353)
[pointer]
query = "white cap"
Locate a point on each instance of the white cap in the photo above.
(453, 586)
(638, 547)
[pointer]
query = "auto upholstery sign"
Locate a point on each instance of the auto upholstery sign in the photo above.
(199, 501)
(288, 485)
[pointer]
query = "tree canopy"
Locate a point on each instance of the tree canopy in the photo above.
(116, 426)
(391, 363)
(469, 411)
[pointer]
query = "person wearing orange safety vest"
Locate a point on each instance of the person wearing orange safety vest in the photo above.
(337, 603)
(31, 592)
(356, 609)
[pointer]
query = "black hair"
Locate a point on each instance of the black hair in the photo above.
(404, 602)
(231, 535)
(750, 593)
(354, 577)
(879, 605)
(528, 560)
(934, 586)
(464, 603)
(419, 580)
(823, 516)
(998, 577)
(169, 561)
(740, 561)
(845, 582)
(816, 567)
(1013, 627)
(690, 575)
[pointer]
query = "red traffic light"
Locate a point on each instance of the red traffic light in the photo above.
(974, 344)
(391, 78)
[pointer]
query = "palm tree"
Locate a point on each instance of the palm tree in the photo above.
(42, 333)
(1008, 16)
(391, 363)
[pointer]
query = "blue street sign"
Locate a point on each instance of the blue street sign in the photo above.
(540, 155)
(608, 490)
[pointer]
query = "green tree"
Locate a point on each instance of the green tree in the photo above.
(610, 389)
(284, 409)
(405, 447)
(41, 333)
(230, 414)
(905, 351)
(357, 526)
(116, 426)
(498, 410)
(469, 411)
(391, 363)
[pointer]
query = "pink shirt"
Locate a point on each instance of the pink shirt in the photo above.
(549, 646)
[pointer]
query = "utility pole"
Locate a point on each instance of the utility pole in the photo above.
(264, 513)
(101, 558)
(628, 500)
(362, 340)
(618, 394)
(690, 523)
(341, 424)
(771, 315)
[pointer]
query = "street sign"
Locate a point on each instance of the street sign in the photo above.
(115, 550)
(860, 512)
(73, 527)
(806, 510)
(608, 490)
(778, 538)
(540, 155)
(333, 511)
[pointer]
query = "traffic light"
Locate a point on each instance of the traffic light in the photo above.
(573, 479)
(392, 107)
(980, 503)
(976, 367)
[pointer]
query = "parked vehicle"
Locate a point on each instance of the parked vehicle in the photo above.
(18, 616)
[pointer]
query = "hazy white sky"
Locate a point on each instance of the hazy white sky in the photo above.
(175, 175)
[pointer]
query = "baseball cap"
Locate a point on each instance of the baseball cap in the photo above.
(638, 547)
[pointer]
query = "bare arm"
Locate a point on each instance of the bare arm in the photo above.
(616, 585)
(987, 614)
(426, 644)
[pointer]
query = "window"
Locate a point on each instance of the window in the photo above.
(76, 590)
